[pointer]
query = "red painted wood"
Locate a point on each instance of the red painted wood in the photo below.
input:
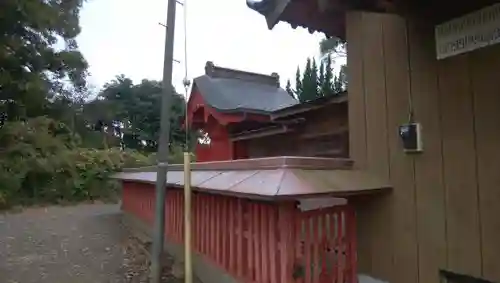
(225, 232)
(273, 244)
(352, 250)
(213, 217)
(258, 242)
(239, 240)
(218, 232)
(264, 239)
(232, 209)
(249, 239)
(315, 248)
(176, 216)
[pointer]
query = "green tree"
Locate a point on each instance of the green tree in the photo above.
(321, 78)
(326, 88)
(314, 78)
(309, 83)
(288, 88)
(340, 81)
(33, 69)
(333, 46)
(132, 112)
(298, 85)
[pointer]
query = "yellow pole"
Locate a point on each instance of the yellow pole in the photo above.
(188, 265)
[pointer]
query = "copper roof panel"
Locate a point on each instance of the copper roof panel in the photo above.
(333, 182)
(273, 177)
(201, 177)
(264, 183)
(228, 179)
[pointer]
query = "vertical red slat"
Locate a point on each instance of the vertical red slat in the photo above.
(168, 217)
(176, 214)
(181, 216)
(342, 246)
(239, 239)
(208, 230)
(324, 245)
(213, 217)
(218, 234)
(285, 235)
(273, 245)
(335, 246)
(199, 223)
(194, 220)
(232, 230)
(257, 242)
(174, 217)
(264, 238)
(316, 242)
(173, 203)
(352, 246)
(203, 221)
(307, 249)
(225, 233)
(249, 234)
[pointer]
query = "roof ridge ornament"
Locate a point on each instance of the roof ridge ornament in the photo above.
(214, 71)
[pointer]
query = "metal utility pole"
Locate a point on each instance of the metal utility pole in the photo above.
(163, 148)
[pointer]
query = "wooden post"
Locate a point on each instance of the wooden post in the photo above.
(187, 219)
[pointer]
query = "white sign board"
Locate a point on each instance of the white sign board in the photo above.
(467, 33)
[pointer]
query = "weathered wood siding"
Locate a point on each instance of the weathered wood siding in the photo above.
(444, 211)
(324, 134)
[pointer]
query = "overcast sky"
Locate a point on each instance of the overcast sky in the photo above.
(124, 37)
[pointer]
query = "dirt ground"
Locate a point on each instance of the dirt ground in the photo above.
(83, 243)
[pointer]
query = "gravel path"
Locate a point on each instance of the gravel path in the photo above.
(83, 243)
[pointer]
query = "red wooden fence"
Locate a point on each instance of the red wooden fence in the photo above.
(258, 241)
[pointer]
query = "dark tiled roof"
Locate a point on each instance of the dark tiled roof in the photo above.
(229, 90)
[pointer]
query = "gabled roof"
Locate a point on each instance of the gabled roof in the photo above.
(229, 90)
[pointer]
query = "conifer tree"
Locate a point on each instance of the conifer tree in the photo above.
(288, 88)
(308, 83)
(298, 85)
(327, 86)
(321, 79)
(314, 79)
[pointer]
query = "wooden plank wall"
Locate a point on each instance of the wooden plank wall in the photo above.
(302, 141)
(444, 210)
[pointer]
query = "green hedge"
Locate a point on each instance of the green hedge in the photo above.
(41, 162)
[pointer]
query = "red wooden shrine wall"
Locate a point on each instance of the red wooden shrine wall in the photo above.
(258, 241)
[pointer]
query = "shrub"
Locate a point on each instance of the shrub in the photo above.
(40, 162)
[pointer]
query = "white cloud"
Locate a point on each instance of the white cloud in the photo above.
(124, 37)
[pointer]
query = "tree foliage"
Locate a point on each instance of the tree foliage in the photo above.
(55, 144)
(318, 82)
(33, 69)
(41, 162)
(333, 46)
(132, 113)
(288, 88)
